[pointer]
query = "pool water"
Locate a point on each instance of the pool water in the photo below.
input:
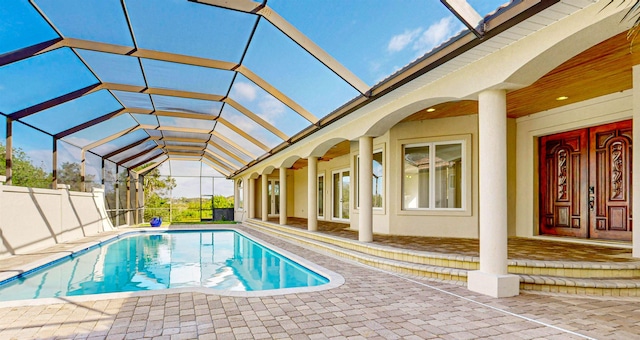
(223, 260)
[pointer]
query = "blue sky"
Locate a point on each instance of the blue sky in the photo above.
(372, 39)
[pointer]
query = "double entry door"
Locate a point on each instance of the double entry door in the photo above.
(585, 182)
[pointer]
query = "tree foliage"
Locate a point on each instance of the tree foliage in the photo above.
(157, 190)
(69, 173)
(24, 172)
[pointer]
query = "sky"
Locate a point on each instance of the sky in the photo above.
(372, 41)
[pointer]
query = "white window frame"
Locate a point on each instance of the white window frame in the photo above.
(356, 181)
(239, 194)
(432, 177)
(324, 189)
(333, 195)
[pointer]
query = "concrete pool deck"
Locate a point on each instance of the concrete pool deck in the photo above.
(371, 304)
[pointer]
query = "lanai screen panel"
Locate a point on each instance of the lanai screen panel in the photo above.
(148, 120)
(75, 112)
(68, 167)
(122, 156)
(120, 143)
(107, 68)
(249, 126)
(102, 130)
(188, 78)
(134, 100)
(41, 78)
(26, 26)
(32, 158)
(113, 68)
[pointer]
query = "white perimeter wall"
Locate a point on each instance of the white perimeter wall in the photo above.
(32, 219)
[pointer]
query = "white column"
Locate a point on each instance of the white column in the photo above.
(251, 203)
(492, 279)
(283, 195)
(312, 194)
(365, 190)
(635, 237)
(265, 198)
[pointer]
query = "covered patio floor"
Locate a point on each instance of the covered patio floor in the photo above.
(544, 248)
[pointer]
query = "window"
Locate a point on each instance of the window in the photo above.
(377, 184)
(432, 175)
(320, 194)
(240, 195)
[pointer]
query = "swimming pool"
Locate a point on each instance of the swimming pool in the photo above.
(218, 259)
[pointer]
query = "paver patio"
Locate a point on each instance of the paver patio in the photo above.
(372, 304)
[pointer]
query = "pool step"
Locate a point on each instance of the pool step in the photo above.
(586, 278)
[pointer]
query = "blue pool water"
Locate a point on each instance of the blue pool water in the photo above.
(219, 259)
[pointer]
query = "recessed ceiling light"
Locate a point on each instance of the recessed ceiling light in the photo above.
(430, 109)
(562, 98)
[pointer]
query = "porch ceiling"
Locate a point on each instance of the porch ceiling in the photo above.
(602, 69)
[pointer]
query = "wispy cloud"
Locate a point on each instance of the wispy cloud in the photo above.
(271, 109)
(436, 34)
(242, 90)
(423, 40)
(400, 41)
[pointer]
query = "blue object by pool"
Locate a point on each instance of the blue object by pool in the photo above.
(155, 222)
(222, 259)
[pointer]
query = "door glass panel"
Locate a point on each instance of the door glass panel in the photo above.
(336, 195)
(320, 196)
(415, 182)
(270, 198)
(346, 181)
(276, 198)
(448, 176)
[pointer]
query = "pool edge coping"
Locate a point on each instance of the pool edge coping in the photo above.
(335, 279)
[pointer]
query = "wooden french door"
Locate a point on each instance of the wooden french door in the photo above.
(585, 182)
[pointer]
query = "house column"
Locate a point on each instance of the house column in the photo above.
(312, 194)
(251, 206)
(283, 195)
(265, 198)
(365, 189)
(635, 179)
(493, 279)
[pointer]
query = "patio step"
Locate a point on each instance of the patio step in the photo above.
(586, 278)
(354, 253)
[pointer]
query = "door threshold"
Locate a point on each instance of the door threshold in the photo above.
(593, 242)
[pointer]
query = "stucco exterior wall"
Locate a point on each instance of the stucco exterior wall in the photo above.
(436, 223)
(299, 197)
(32, 219)
(597, 111)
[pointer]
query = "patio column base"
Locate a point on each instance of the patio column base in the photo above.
(494, 285)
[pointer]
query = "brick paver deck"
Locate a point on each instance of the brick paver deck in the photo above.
(372, 304)
(519, 248)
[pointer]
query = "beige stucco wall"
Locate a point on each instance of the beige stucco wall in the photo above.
(391, 219)
(601, 110)
(441, 223)
(32, 219)
(298, 182)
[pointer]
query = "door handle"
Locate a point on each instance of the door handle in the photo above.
(592, 198)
